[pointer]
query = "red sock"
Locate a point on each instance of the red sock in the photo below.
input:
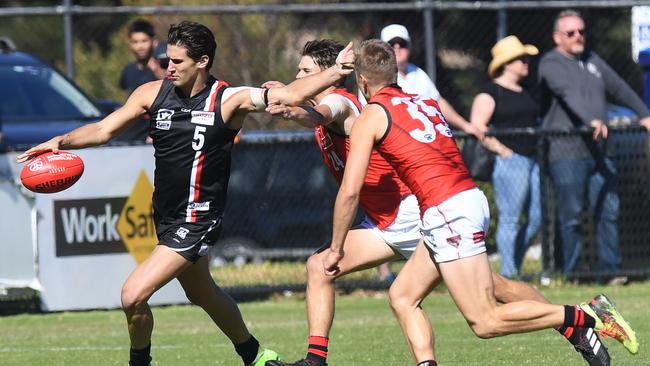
(317, 349)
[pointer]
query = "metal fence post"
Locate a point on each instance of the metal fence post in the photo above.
(430, 46)
(67, 36)
(502, 23)
(548, 249)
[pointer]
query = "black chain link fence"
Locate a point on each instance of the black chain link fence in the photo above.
(281, 196)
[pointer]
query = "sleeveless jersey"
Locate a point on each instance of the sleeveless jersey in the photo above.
(382, 190)
(192, 150)
(419, 145)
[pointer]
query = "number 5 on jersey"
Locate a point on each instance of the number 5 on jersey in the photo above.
(199, 139)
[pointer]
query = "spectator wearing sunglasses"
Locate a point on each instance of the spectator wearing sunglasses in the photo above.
(504, 103)
(414, 80)
(575, 85)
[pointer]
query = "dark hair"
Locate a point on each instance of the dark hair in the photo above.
(142, 26)
(196, 38)
(375, 60)
(323, 52)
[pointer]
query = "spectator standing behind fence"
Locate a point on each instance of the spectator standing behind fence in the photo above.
(414, 80)
(575, 83)
(145, 68)
(504, 103)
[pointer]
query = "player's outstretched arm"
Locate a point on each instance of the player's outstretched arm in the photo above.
(304, 88)
(98, 133)
(367, 130)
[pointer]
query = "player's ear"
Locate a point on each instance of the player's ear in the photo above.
(203, 61)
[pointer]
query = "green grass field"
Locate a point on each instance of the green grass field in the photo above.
(365, 332)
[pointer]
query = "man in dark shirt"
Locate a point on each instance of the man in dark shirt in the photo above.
(145, 68)
(575, 83)
(195, 118)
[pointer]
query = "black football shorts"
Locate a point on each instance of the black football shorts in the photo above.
(192, 240)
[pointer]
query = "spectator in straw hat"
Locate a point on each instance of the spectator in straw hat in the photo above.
(504, 103)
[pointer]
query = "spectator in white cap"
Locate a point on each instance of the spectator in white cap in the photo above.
(414, 80)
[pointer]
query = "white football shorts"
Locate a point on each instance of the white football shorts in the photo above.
(404, 233)
(457, 227)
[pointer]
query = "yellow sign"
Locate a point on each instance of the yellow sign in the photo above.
(135, 225)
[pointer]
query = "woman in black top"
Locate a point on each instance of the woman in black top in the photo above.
(504, 103)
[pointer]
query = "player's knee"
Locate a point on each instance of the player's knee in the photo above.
(398, 300)
(132, 299)
(485, 327)
(502, 291)
(315, 270)
(195, 298)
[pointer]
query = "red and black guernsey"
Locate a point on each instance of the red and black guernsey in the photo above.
(192, 149)
(420, 147)
(382, 191)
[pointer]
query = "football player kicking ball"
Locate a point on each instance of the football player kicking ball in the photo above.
(391, 228)
(195, 118)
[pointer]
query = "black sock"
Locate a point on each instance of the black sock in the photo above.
(428, 363)
(140, 357)
(574, 316)
(248, 350)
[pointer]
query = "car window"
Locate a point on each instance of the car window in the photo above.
(32, 93)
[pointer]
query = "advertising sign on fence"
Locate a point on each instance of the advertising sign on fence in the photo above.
(91, 236)
(640, 30)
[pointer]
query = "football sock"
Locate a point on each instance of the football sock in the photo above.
(428, 363)
(248, 350)
(574, 316)
(317, 350)
(569, 333)
(140, 357)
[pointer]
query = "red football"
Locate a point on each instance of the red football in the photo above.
(50, 172)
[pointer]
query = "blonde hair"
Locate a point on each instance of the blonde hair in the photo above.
(565, 14)
(375, 60)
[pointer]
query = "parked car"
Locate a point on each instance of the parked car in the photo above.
(37, 102)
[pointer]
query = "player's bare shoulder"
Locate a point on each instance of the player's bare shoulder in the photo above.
(373, 121)
(144, 95)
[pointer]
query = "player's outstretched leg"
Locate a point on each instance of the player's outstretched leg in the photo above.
(584, 340)
(162, 265)
(202, 291)
(609, 322)
(587, 343)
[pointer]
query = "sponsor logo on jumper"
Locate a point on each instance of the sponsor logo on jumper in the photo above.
(164, 115)
(182, 232)
(454, 240)
(185, 110)
(199, 206)
(203, 118)
(325, 140)
(164, 119)
(163, 125)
